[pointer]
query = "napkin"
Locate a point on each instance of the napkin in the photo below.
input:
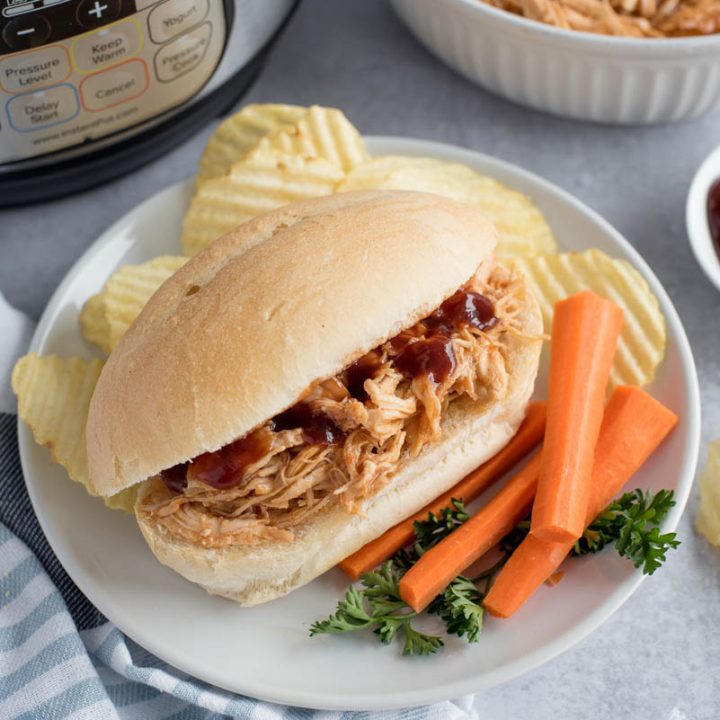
(59, 656)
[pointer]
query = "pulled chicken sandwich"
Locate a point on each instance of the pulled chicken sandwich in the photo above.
(314, 377)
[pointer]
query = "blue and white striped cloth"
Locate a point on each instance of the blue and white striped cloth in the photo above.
(59, 656)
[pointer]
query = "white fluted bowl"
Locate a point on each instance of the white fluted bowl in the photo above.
(575, 74)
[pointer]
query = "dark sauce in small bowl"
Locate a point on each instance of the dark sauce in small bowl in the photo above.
(713, 214)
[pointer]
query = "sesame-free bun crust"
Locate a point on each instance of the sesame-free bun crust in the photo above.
(472, 433)
(240, 332)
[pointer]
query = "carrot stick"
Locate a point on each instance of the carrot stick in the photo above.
(377, 551)
(438, 566)
(585, 332)
(633, 426)
(555, 579)
(532, 563)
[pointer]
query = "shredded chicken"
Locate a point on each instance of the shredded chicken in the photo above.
(631, 18)
(294, 480)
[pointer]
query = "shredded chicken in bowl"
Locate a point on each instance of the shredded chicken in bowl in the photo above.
(345, 439)
(631, 18)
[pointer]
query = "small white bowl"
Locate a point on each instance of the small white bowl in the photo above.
(696, 219)
(565, 72)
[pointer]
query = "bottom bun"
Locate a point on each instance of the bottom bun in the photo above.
(472, 433)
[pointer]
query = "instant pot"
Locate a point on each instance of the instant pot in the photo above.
(90, 89)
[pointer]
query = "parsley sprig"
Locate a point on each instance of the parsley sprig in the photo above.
(459, 606)
(379, 606)
(630, 523)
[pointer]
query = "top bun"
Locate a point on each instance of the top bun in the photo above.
(240, 332)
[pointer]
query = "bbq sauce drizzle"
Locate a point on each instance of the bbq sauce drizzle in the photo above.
(425, 349)
(317, 428)
(434, 355)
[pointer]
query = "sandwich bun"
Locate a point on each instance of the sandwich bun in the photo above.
(247, 326)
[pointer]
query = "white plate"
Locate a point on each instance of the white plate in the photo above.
(696, 219)
(265, 652)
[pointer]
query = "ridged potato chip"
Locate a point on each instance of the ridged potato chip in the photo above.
(240, 132)
(522, 229)
(641, 347)
(53, 399)
(262, 182)
(127, 291)
(708, 518)
(95, 328)
(321, 132)
(107, 315)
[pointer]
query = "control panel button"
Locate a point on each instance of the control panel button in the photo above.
(183, 54)
(115, 86)
(22, 33)
(94, 13)
(35, 69)
(41, 109)
(174, 17)
(106, 47)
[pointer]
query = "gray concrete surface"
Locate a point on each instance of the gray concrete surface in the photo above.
(658, 657)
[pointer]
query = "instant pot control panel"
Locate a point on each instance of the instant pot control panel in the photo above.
(74, 71)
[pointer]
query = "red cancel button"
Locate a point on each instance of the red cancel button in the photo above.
(112, 87)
